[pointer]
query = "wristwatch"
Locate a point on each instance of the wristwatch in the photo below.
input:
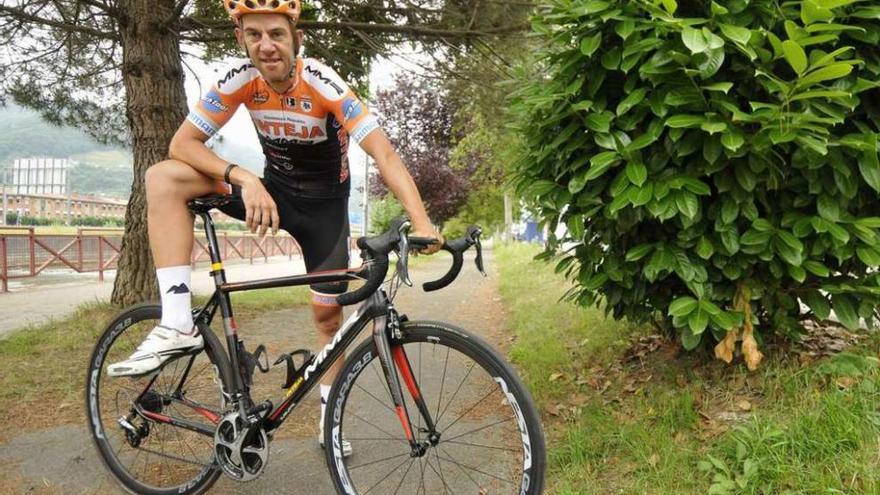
(227, 172)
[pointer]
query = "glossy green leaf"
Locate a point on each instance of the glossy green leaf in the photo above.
(869, 256)
(682, 121)
(591, 44)
(795, 56)
(631, 100)
(639, 252)
(835, 71)
(816, 268)
(693, 39)
(738, 34)
(845, 310)
(697, 321)
(869, 167)
(705, 249)
(637, 173)
(690, 340)
(818, 303)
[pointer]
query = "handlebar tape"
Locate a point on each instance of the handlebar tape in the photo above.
(375, 276)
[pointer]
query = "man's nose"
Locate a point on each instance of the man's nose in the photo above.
(266, 44)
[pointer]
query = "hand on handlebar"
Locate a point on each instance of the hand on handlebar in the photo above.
(428, 231)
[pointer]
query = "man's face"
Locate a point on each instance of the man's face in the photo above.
(269, 42)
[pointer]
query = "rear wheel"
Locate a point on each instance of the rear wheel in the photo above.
(489, 437)
(128, 415)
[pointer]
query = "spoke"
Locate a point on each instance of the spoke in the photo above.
(481, 445)
(376, 427)
(449, 459)
(428, 463)
(352, 468)
(383, 439)
(442, 383)
(477, 429)
(479, 488)
(477, 403)
(473, 364)
(412, 460)
(376, 399)
(440, 468)
(385, 477)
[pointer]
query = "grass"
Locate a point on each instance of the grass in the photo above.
(46, 364)
(628, 412)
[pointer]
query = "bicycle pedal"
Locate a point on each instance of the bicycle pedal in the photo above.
(292, 368)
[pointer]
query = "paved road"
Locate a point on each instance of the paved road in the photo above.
(63, 460)
(38, 304)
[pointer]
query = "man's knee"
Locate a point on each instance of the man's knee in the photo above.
(159, 179)
(327, 318)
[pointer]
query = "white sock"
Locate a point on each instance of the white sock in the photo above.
(174, 289)
(325, 392)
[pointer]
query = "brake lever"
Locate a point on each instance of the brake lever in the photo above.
(475, 237)
(403, 254)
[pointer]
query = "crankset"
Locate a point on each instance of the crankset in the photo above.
(241, 448)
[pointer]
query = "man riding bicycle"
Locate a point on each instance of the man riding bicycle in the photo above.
(304, 114)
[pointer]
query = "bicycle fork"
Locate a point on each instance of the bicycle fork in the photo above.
(394, 360)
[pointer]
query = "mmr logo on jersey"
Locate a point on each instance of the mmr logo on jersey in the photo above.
(324, 79)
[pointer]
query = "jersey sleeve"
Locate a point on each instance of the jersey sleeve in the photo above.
(339, 99)
(219, 104)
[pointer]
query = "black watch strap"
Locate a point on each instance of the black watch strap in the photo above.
(227, 172)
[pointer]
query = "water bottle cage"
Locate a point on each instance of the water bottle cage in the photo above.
(292, 369)
(249, 362)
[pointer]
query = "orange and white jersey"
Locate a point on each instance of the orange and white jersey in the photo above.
(304, 132)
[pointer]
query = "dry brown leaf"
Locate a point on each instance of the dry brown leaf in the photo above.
(653, 460)
(579, 399)
(750, 350)
(724, 349)
(744, 405)
(844, 382)
(554, 409)
(556, 376)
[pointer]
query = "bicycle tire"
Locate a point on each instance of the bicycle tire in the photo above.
(126, 330)
(350, 400)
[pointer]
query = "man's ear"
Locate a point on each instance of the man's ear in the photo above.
(239, 37)
(300, 36)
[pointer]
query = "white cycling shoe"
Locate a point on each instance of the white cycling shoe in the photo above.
(161, 344)
(346, 445)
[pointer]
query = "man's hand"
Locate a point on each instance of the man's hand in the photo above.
(430, 232)
(260, 210)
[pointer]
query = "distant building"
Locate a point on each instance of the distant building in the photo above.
(55, 206)
(39, 176)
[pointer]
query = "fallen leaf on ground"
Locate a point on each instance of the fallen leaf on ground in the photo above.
(744, 405)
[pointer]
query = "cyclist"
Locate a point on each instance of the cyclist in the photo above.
(304, 114)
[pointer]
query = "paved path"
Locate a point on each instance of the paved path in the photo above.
(63, 460)
(37, 304)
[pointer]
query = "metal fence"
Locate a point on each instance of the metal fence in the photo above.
(25, 253)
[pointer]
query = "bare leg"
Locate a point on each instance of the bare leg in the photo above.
(327, 320)
(170, 184)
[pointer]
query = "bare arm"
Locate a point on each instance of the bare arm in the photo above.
(401, 184)
(188, 146)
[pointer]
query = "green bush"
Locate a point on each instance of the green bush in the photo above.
(713, 162)
(382, 212)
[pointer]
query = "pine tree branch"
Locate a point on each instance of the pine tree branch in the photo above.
(22, 16)
(191, 23)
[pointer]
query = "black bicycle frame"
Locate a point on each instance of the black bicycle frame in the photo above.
(377, 308)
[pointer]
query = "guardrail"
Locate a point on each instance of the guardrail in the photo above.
(25, 253)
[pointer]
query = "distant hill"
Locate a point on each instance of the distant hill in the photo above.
(24, 133)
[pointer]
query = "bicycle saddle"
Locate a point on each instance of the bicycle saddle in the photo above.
(205, 204)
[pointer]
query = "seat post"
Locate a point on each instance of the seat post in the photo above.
(217, 270)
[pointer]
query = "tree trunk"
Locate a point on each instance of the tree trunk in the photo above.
(155, 107)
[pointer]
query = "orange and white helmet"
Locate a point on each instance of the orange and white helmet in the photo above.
(238, 8)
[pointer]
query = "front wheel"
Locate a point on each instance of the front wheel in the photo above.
(487, 436)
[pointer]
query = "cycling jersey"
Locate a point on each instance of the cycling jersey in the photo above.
(304, 131)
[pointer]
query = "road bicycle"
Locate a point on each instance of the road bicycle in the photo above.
(426, 406)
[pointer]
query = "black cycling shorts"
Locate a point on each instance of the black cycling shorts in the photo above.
(319, 226)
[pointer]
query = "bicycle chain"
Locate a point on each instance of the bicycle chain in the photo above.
(176, 458)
